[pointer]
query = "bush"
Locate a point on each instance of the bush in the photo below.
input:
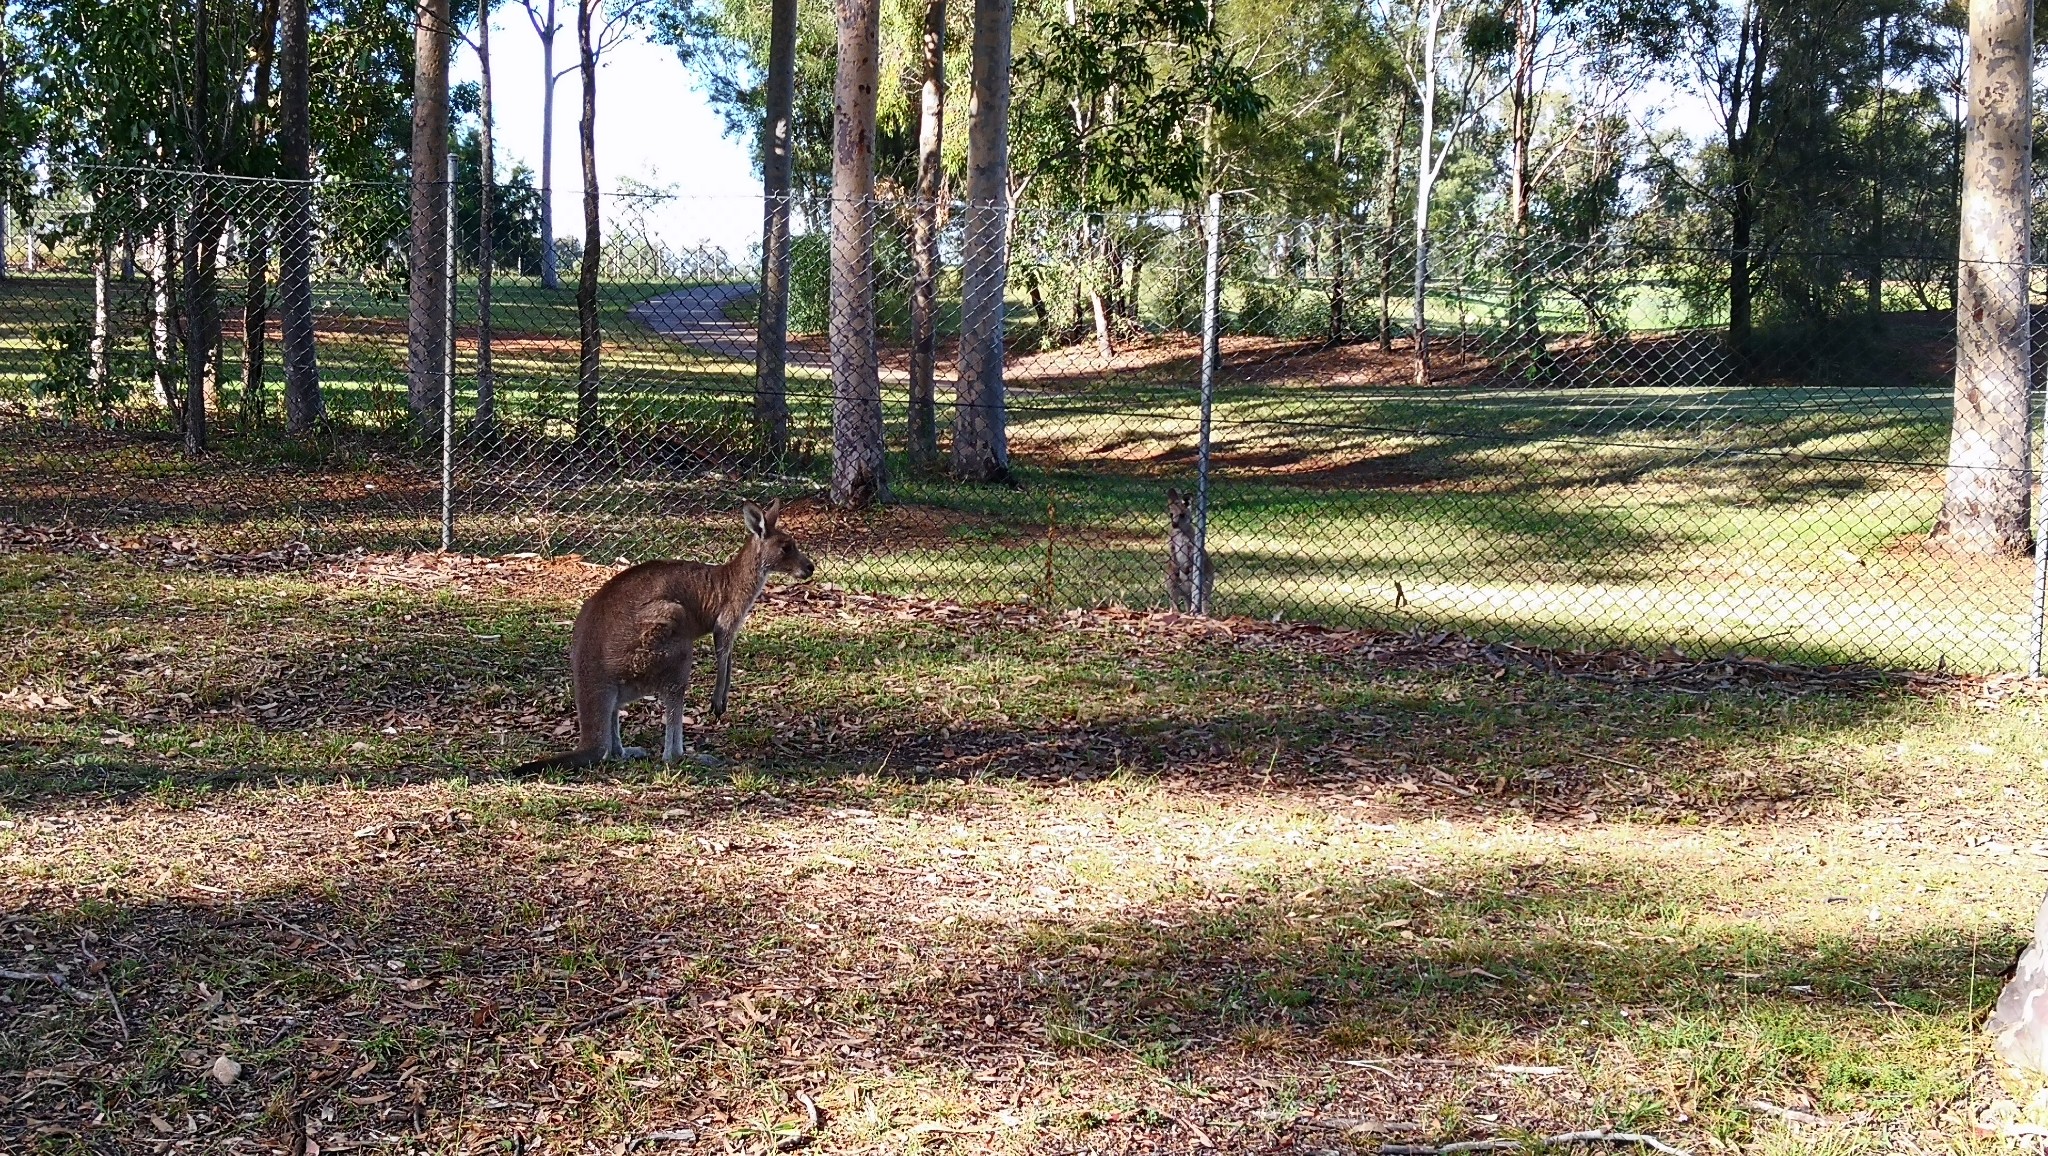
(66, 379)
(810, 283)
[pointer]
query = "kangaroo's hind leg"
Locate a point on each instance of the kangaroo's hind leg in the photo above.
(597, 722)
(672, 697)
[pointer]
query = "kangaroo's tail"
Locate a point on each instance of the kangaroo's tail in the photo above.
(574, 759)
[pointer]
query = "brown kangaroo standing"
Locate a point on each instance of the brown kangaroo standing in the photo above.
(637, 635)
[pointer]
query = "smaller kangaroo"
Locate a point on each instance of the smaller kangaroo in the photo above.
(637, 635)
(1181, 552)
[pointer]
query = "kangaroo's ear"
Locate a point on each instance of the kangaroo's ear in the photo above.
(772, 511)
(756, 521)
(1173, 496)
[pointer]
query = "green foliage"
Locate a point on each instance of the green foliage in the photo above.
(67, 371)
(515, 209)
(810, 282)
(1112, 105)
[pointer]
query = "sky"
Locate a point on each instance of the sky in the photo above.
(654, 125)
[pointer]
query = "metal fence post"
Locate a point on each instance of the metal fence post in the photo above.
(448, 364)
(1213, 223)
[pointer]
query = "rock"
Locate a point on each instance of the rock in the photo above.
(226, 1071)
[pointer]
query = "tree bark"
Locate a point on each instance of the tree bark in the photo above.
(981, 447)
(487, 180)
(550, 273)
(427, 313)
(924, 300)
(1338, 323)
(1390, 196)
(587, 415)
(1521, 132)
(771, 346)
(162, 328)
(1985, 507)
(304, 408)
(858, 478)
(1744, 106)
(255, 320)
(256, 242)
(1874, 286)
(1425, 184)
(201, 284)
(99, 368)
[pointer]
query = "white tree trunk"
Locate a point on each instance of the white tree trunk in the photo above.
(550, 273)
(857, 446)
(1426, 160)
(771, 337)
(981, 447)
(1989, 473)
(924, 299)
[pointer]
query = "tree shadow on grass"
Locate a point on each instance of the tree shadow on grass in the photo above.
(474, 983)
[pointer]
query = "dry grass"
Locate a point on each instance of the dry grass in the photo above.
(967, 879)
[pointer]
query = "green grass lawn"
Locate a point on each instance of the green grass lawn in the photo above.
(1637, 492)
(991, 880)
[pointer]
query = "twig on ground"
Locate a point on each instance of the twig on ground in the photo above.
(616, 1011)
(669, 1136)
(1792, 1114)
(1635, 1139)
(93, 963)
(49, 977)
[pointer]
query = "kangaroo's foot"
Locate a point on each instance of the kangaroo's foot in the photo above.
(628, 754)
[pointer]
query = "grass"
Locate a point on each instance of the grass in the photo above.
(1640, 492)
(1003, 880)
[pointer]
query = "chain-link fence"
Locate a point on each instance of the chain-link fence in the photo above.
(1558, 440)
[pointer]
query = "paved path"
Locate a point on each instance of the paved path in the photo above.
(697, 317)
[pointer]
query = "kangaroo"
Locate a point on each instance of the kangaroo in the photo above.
(1181, 551)
(637, 635)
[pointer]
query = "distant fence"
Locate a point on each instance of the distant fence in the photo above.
(1588, 458)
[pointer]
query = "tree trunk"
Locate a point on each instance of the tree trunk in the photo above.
(981, 447)
(1338, 326)
(1424, 185)
(256, 241)
(487, 180)
(255, 319)
(426, 316)
(1105, 271)
(1743, 107)
(1390, 196)
(1984, 510)
(162, 329)
(771, 347)
(857, 449)
(924, 300)
(550, 273)
(1522, 328)
(200, 257)
(1740, 310)
(1874, 287)
(99, 367)
(587, 417)
(304, 408)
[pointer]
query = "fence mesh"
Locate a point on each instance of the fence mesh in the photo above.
(1587, 445)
